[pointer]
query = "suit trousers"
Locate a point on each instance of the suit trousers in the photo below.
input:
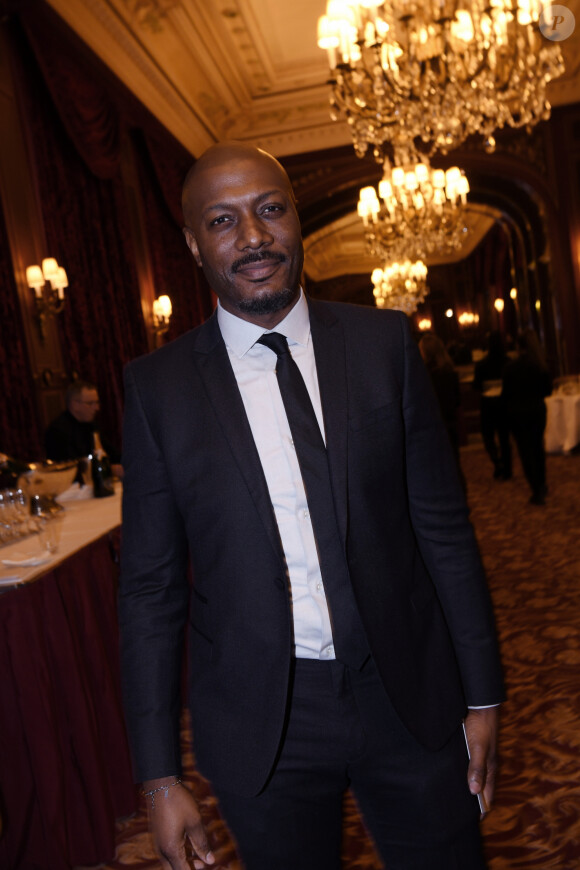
(342, 732)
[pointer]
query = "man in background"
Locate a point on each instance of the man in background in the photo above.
(74, 434)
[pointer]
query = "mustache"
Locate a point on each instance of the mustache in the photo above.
(258, 257)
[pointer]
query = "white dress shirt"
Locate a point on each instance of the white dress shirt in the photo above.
(254, 367)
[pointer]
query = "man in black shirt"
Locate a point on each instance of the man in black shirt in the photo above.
(72, 434)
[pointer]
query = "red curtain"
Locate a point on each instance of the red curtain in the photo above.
(20, 434)
(173, 266)
(79, 116)
(86, 227)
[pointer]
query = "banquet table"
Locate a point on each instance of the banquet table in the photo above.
(563, 423)
(65, 773)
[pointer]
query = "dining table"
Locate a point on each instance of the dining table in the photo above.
(563, 419)
(65, 769)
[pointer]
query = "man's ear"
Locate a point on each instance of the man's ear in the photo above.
(192, 245)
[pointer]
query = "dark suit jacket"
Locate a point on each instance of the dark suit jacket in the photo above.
(194, 485)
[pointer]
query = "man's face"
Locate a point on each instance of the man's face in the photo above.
(245, 234)
(85, 405)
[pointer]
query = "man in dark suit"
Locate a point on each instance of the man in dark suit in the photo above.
(339, 624)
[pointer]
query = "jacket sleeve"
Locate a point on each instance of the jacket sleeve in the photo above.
(153, 594)
(445, 537)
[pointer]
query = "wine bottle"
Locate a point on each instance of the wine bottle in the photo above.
(101, 470)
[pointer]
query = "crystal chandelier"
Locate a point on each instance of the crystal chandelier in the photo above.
(401, 285)
(437, 72)
(421, 210)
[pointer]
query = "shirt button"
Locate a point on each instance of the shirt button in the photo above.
(319, 587)
(329, 651)
(306, 514)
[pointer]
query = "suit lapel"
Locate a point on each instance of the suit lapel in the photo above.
(330, 354)
(214, 367)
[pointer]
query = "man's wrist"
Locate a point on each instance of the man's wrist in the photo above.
(151, 791)
(161, 781)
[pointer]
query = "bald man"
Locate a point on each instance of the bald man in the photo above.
(339, 628)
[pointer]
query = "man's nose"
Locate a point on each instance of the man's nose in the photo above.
(253, 232)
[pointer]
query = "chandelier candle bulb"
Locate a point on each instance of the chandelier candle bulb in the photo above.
(422, 173)
(398, 176)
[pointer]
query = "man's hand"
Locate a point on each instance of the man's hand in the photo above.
(481, 728)
(174, 819)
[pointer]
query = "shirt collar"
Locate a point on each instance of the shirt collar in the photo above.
(240, 335)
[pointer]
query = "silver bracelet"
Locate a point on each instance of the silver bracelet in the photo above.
(154, 791)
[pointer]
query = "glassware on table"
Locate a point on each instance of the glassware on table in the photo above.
(13, 515)
(49, 531)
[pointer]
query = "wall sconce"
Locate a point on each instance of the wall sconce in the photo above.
(498, 304)
(467, 318)
(49, 283)
(162, 310)
(424, 324)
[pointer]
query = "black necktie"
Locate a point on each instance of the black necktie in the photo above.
(347, 632)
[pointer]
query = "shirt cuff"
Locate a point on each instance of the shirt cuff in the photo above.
(485, 707)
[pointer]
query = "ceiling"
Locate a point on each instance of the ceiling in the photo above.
(249, 70)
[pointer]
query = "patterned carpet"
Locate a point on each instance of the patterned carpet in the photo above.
(532, 557)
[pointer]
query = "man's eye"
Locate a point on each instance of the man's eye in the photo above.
(221, 219)
(271, 207)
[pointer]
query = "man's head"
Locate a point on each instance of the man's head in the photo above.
(82, 400)
(243, 230)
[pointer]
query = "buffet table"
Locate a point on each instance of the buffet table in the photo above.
(563, 422)
(65, 773)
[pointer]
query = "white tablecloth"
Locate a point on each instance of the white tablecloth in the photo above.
(563, 425)
(83, 520)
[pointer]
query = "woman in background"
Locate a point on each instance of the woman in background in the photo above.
(526, 383)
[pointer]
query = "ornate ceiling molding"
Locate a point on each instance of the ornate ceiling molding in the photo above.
(112, 39)
(246, 69)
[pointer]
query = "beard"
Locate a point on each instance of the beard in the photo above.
(269, 303)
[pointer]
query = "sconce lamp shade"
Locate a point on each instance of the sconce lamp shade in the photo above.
(49, 268)
(60, 279)
(48, 300)
(498, 305)
(162, 308)
(34, 276)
